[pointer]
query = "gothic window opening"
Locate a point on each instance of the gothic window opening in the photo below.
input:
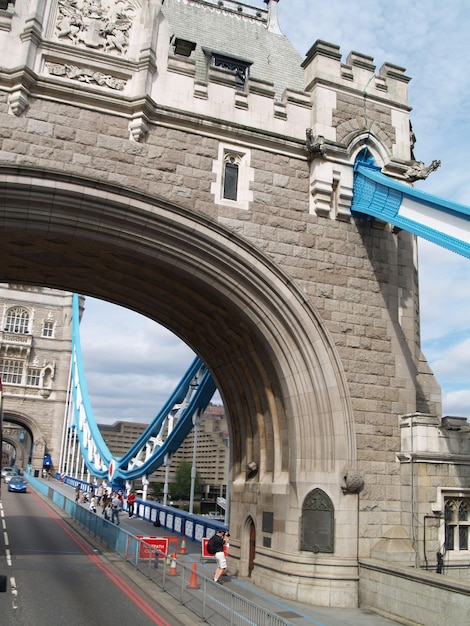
(231, 178)
(317, 524)
(17, 321)
(457, 523)
(234, 176)
(11, 371)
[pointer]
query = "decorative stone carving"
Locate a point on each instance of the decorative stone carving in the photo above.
(315, 145)
(18, 101)
(86, 75)
(138, 128)
(353, 482)
(96, 24)
(418, 171)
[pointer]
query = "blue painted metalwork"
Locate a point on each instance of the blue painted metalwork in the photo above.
(163, 436)
(441, 221)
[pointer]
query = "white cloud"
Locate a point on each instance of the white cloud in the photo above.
(132, 365)
(457, 402)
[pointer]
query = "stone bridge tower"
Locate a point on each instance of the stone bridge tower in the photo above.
(35, 349)
(180, 158)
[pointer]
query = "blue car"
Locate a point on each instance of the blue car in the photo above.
(17, 484)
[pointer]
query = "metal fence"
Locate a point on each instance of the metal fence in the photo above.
(212, 602)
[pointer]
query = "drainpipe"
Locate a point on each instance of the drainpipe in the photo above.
(414, 538)
(273, 22)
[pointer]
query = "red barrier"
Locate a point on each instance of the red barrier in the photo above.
(159, 543)
(205, 554)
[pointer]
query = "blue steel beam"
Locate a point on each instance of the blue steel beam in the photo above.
(162, 437)
(441, 221)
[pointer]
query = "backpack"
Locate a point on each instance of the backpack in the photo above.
(212, 545)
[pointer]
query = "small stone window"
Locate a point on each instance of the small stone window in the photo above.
(231, 178)
(317, 524)
(48, 329)
(234, 175)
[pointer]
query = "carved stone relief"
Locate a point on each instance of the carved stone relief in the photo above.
(85, 75)
(97, 24)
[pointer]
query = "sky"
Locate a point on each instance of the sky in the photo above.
(132, 364)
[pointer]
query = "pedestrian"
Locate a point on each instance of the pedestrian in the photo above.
(130, 503)
(77, 492)
(216, 546)
(93, 501)
(116, 507)
(108, 510)
(104, 501)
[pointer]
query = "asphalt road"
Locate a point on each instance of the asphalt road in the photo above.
(56, 578)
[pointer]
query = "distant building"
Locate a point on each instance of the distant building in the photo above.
(211, 453)
(35, 348)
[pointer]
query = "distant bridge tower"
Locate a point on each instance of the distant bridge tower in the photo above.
(35, 349)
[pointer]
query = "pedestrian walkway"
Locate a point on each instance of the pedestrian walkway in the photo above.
(293, 612)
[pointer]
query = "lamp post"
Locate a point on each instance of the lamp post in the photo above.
(196, 422)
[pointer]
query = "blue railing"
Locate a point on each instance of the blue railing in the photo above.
(193, 527)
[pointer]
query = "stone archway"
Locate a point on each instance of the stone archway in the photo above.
(29, 450)
(273, 361)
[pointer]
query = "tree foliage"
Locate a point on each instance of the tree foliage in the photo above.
(181, 487)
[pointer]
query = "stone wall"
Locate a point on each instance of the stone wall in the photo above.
(413, 597)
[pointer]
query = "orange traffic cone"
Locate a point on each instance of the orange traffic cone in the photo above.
(183, 546)
(172, 571)
(193, 579)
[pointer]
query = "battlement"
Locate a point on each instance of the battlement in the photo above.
(323, 65)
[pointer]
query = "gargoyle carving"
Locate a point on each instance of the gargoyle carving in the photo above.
(315, 145)
(418, 171)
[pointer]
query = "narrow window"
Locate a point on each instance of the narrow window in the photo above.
(231, 179)
(34, 377)
(457, 523)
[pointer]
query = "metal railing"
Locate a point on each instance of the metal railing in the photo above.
(213, 603)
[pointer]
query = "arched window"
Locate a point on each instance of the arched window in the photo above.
(231, 177)
(17, 321)
(457, 524)
(317, 525)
